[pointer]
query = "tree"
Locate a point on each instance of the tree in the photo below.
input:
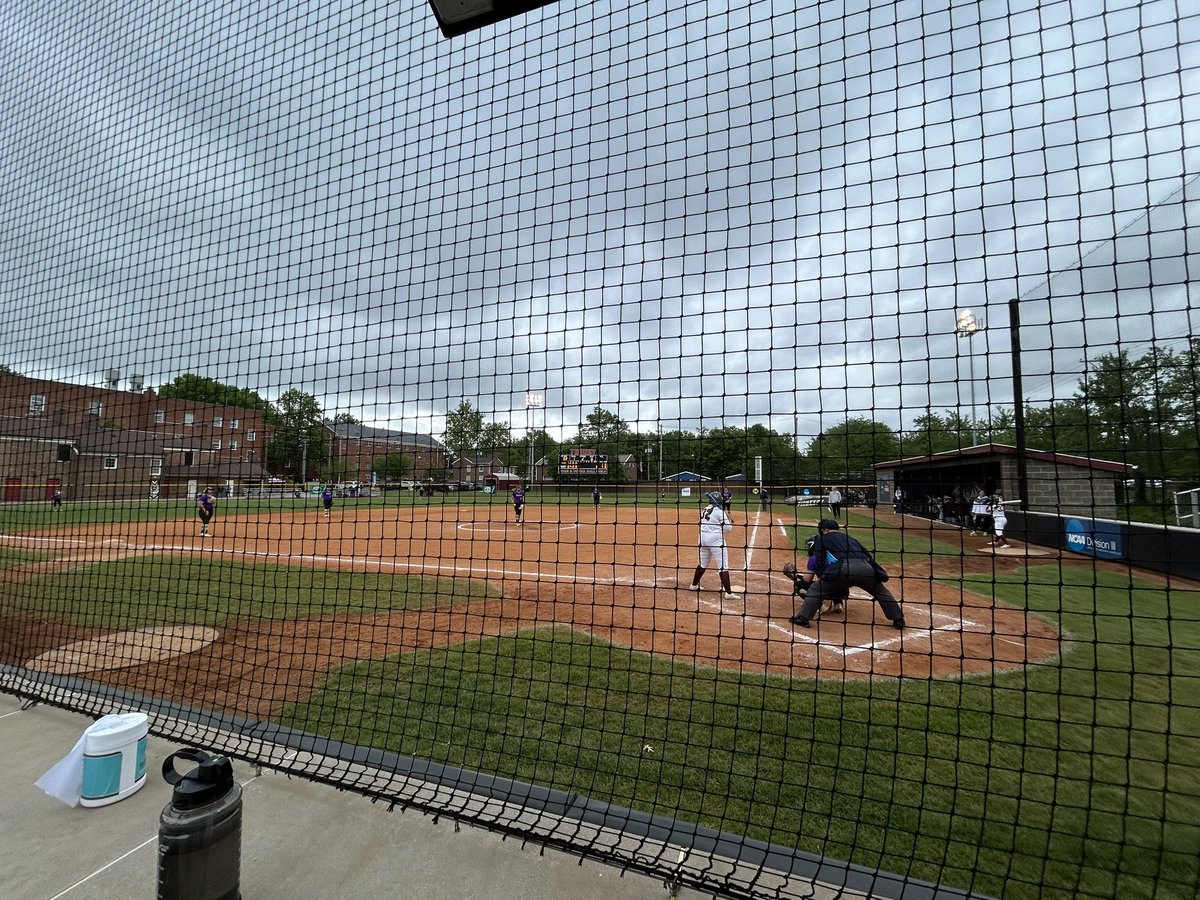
(464, 430)
(6, 370)
(345, 419)
(544, 447)
(334, 471)
(846, 452)
(608, 434)
(495, 439)
(207, 390)
(933, 434)
(299, 444)
(393, 467)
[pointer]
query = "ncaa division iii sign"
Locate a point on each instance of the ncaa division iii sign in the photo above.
(1092, 537)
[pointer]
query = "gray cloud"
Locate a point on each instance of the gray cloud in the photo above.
(337, 199)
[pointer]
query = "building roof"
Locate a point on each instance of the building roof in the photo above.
(100, 441)
(95, 439)
(687, 476)
(353, 432)
(981, 450)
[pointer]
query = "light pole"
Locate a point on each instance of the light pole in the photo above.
(533, 401)
(966, 326)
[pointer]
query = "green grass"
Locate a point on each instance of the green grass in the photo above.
(11, 557)
(888, 543)
(1078, 778)
(182, 590)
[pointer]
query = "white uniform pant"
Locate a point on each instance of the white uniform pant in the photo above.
(716, 554)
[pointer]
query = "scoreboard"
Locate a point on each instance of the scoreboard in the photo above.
(582, 463)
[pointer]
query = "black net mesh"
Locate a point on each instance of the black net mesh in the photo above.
(362, 391)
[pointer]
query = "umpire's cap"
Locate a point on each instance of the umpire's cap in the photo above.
(828, 525)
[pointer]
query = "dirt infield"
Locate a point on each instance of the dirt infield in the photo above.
(620, 573)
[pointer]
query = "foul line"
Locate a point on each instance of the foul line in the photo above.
(753, 540)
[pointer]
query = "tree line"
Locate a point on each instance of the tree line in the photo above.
(1142, 410)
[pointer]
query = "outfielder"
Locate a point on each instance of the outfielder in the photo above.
(714, 524)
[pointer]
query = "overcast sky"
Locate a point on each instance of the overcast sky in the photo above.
(688, 216)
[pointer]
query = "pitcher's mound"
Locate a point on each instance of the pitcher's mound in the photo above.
(1013, 550)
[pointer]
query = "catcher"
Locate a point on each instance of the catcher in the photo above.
(802, 580)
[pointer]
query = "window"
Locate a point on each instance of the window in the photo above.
(216, 444)
(189, 458)
(94, 409)
(160, 416)
(218, 421)
(250, 436)
(234, 424)
(110, 462)
(233, 445)
(189, 418)
(249, 456)
(64, 453)
(37, 404)
(156, 466)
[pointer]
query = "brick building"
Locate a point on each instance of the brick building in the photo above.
(104, 443)
(484, 469)
(359, 446)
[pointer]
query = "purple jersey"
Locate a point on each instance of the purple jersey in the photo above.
(518, 497)
(205, 501)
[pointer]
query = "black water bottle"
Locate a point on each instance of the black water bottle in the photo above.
(200, 831)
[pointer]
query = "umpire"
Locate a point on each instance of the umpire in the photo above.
(843, 563)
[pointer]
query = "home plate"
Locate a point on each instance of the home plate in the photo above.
(857, 593)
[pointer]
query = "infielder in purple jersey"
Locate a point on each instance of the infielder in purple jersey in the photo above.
(204, 509)
(518, 501)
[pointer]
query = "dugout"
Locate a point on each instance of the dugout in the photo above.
(941, 484)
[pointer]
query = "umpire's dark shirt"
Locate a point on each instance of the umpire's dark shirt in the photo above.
(842, 547)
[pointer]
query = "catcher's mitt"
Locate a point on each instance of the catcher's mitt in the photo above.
(789, 569)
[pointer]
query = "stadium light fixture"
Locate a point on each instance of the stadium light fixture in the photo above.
(457, 17)
(966, 326)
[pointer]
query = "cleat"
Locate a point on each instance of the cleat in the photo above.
(728, 596)
(838, 608)
(801, 621)
(694, 587)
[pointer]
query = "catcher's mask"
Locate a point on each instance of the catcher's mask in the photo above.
(809, 543)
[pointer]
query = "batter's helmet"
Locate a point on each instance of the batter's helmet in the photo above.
(714, 498)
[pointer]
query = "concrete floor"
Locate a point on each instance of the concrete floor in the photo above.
(300, 839)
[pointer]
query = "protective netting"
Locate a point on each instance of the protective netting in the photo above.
(922, 269)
